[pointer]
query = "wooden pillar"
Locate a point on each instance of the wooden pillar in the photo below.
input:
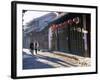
(85, 37)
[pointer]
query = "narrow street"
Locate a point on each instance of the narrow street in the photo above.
(62, 37)
(51, 60)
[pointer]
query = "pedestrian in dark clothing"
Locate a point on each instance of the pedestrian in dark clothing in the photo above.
(36, 45)
(32, 48)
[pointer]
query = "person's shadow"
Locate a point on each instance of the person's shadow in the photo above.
(32, 62)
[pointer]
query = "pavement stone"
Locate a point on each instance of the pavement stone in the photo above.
(53, 59)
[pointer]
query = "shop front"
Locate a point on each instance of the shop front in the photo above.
(71, 34)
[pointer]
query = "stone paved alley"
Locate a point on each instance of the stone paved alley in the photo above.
(52, 60)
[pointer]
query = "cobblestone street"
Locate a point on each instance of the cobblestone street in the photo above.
(52, 60)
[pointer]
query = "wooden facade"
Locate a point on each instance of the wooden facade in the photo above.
(73, 37)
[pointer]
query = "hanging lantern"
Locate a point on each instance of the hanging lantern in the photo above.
(76, 20)
(58, 26)
(54, 27)
(70, 21)
(65, 23)
(61, 25)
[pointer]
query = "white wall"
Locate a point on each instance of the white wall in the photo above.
(5, 40)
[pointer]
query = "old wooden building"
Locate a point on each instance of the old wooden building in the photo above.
(67, 32)
(71, 33)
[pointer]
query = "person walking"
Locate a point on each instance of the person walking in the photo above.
(32, 48)
(36, 45)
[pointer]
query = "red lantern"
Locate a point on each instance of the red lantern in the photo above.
(65, 23)
(56, 26)
(70, 21)
(76, 20)
(61, 25)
